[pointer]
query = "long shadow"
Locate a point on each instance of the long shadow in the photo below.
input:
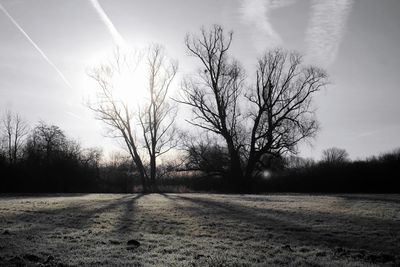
(58, 229)
(125, 221)
(74, 216)
(393, 198)
(9, 196)
(351, 233)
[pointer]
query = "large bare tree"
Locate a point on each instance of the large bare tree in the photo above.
(279, 113)
(157, 116)
(214, 93)
(14, 130)
(151, 125)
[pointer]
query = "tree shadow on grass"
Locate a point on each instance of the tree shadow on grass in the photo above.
(392, 198)
(74, 217)
(324, 230)
(126, 220)
(63, 231)
(21, 196)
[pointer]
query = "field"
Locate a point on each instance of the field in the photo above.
(200, 230)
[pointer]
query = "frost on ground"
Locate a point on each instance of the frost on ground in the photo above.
(200, 230)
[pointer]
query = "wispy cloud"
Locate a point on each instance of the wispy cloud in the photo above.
(326, 29)
(45, 57)
(256, 14)
(74, 115)
(117, 37)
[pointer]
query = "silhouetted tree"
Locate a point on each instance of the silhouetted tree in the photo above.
(155, 115)
(296, 162)
(280, 111)
(91, 157)
(47, 140)
(335, 155)
(14, 130)
(214, 93)
(116, 113)
(205, 154)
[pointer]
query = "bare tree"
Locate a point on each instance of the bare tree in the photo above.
(280, 113)
(114, 112)
(48, 140)
(92, 157)
(214, 95)
(204, 153)
(335, 155)
(14, 129)
(158, 116)
(152, 120)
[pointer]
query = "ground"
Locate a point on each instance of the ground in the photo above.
(200, 230)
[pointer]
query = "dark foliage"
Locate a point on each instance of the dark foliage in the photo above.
(374, 175)
(51, 162)
(207, 158)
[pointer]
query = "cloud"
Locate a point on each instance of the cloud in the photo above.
(326, 29)
(117, 37)
(74, 115)
(45, 57)
(256, 14)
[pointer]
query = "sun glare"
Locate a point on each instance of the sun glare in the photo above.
(130, 85)
(129, 82)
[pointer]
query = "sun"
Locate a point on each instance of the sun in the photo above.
(130, 85)
(129, 79)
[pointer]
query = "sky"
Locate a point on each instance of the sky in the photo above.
(47, 48)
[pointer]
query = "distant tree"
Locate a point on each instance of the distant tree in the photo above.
(48, 140)
(155, 115)
(116, 171)
(392, 156)
(279, 113)
(117, 159)
(205, 154)
(335, 155)
(91, 157)
(296, 162)
(14, 131)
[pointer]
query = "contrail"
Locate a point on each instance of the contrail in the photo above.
(326, 29)
(36, 46)
(117, 37)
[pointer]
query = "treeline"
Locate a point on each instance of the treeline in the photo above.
(44, 159)
(373, 175)
(334, 173)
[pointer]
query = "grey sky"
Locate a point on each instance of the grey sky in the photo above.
(358, 42)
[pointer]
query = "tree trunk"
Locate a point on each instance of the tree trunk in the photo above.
(236, 170)
(251, 163)
(153, 172)
(142, 172)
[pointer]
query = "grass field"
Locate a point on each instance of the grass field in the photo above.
(200, 230)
